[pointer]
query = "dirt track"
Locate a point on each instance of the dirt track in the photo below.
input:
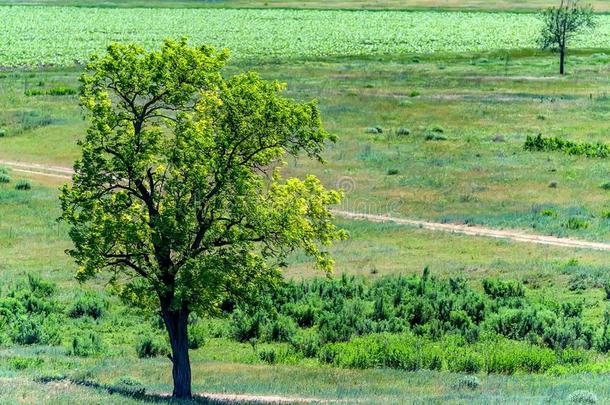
(514, 235)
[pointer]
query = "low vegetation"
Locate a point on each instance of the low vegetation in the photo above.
(322, 33)
(541, 144)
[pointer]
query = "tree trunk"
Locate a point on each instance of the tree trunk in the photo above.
(562, 57)
(176, 322)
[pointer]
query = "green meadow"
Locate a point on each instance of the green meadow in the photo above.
(431, 130)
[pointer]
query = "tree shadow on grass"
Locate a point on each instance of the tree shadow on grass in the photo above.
(138, 393)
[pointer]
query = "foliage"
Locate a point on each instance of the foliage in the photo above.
(551, 144)
(88, 304)
(151, 346)
(321, 33)
(29, 314)
(23, 185)
(171, 195)
(86, 343)
(425, 311)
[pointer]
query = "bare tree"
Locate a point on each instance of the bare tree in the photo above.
(561, 24)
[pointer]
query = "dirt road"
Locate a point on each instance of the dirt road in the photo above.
(513, 234)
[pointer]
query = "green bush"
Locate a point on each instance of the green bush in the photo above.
(437, 129)
(434, 137)
(393, 172)
(149, 346)
(85, 344)
(34, 92)
(540, 144)
(403, 131)
(4, 178)
(54, 91)
(127, 386)
(282, 329)
(576, 223)
(497, 288)
(307, 343)
(268, 355)
(246, 326)
(312, 315)
(196, 335)
(61, 91)
(24, 363)
(23, 185)
(88, 304)
(373, 130)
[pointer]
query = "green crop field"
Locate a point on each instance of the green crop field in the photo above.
(432, 111)
(265, 34)
(505, 5)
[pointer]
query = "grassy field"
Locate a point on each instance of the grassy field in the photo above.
(489, 5)
(479, 174)
(280, 34)
(424, 132)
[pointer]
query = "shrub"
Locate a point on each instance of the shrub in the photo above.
(576, 223)
(268, 355)
(128, 386)
(40, 287)
(373, 130)
(393, 172)
(497, 288)
(414, 93)
(307, 343)
(403, 131)
(61, 91)
(548, 213)
(435, 137)
(24, 363)
(23, 185)
(437, 129)
(469, 382)
(246, 326)
(196, 335)
(282, 329)
(34, 92)
(582, 397)
(35, 329)
(540, 144)
(86, 344)
(606, 284)
(465, 361)
(88, 304)
(606, 186)
(149, 346)
(4, 178)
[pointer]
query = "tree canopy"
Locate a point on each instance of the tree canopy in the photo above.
(179, 195)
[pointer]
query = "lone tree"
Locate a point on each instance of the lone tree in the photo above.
(178, 193)
(561, 24)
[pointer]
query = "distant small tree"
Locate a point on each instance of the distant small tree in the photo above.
(561, 24)
(178, 195)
